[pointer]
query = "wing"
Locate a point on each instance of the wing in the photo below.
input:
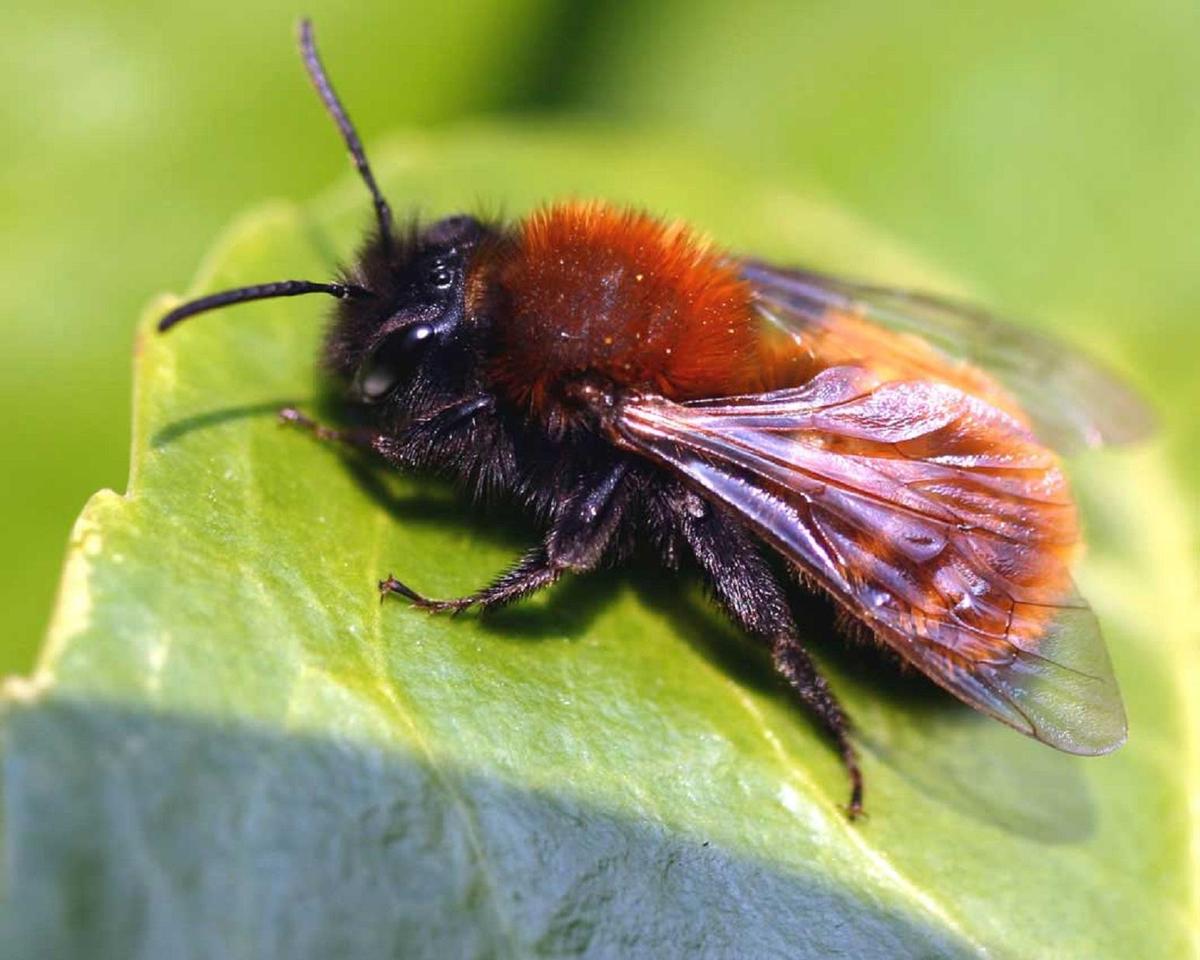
(929, 515)
(1070, 400)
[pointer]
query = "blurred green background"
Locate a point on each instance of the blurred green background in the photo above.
(1046, 152)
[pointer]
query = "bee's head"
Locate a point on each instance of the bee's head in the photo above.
(406, 337)
(398, 339)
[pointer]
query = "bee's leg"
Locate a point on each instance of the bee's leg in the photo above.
(362, 438)
(404, 449)
(793, 661)
(528, 575)
(745, 585)
(577, 542)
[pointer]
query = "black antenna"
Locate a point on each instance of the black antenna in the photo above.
(262, 291)
(316, 72)
(294, 288)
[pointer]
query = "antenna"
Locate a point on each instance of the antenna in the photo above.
(295, 288)
(316, 72)
(262, 291)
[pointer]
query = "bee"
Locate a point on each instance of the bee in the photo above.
(628, 382)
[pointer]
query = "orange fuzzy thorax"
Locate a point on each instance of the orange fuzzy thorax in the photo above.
(647, 304)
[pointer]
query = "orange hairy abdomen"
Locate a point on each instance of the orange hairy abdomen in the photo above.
(589, 288)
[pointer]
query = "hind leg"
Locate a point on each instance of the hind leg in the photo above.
(745, 585)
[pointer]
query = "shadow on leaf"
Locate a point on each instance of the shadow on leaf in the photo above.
(142, 834)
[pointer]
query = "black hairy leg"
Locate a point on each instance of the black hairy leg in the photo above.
(361, 438)
(749, 591)
(793, 661)
(576, 542)
(528, 575)
(408, 447)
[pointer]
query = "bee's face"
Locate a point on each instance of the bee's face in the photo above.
(383, 345)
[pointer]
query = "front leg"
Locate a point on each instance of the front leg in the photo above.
(406, 448)
(577, 541)
(360, 438)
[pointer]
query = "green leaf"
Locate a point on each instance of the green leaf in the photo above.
(230, 748)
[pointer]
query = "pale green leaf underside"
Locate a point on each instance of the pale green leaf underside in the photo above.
(232, 749)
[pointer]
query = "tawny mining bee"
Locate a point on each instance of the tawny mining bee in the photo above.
(626, 381)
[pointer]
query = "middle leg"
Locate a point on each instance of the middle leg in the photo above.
(577, 542)
(531, 573)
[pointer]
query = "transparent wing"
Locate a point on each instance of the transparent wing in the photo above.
(931, 516)
(1071, 401)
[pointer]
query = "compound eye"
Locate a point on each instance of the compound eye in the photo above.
(393, 362)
